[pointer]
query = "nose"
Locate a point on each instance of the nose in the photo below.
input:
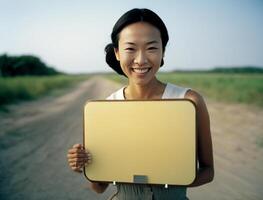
(141, 58)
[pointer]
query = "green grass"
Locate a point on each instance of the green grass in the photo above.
(224, 87)
(27, 88)
(235, 88)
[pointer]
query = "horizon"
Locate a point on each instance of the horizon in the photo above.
(71, 36)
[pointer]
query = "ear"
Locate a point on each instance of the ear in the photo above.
(117, 54)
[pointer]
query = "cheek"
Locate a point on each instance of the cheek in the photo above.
(156, 59)
(125, 62)
(126, 58)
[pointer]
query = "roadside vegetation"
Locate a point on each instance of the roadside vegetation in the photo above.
(31, 87)
(27, 77)
(246, 88)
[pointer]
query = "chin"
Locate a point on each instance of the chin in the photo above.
(141, 82)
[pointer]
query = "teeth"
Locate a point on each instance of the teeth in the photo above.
(141, 71)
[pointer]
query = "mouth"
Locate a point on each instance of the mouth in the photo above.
(141, 71)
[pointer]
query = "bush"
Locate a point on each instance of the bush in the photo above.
(11, 66)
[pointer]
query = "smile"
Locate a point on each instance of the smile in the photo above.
(141, 70)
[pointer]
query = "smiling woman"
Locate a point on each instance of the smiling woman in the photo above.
(139, 39)
(140, 52)
(140, 55)
(138, 44)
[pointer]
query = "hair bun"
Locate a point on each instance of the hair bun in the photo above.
(111, 59)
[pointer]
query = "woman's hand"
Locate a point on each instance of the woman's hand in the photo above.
(78, 157)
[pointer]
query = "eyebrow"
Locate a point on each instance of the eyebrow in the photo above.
(151, 42)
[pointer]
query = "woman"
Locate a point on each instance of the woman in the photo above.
(138, 45)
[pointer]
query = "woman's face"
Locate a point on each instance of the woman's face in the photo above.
(140, 52)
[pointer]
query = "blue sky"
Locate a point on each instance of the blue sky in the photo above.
(71, 35)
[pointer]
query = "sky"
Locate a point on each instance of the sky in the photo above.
(71, 35)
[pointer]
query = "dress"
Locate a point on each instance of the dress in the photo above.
(151, 192)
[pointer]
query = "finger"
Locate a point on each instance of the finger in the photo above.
(75, 150)
(76, 169)
(79, 155)
(72, 164)
(78, 146)
(78, 160)
(83, 163)
(79, 165)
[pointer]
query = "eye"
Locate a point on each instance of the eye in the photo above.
(152, 48)
(129, 49)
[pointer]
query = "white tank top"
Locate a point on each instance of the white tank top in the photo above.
(171, 91)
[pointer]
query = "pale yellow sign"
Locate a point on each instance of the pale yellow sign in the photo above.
(141, 141)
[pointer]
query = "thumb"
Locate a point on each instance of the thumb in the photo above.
(78, 146)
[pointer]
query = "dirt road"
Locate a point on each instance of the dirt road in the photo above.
(35, 136)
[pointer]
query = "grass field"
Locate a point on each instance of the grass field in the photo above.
(226, 87)
(27, 88)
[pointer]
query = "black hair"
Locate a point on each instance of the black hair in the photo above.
(130, 17)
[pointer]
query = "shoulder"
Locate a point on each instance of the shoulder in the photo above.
(194, 96)
(117, 95)
(197, 99)
(174, 91)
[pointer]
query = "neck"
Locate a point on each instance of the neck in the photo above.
(153, 90)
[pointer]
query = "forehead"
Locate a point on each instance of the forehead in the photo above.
(139, 32)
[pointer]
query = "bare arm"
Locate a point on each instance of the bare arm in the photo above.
(205, 172)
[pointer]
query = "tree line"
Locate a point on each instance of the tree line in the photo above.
(245, 69)
(25, 65)
(230, 70)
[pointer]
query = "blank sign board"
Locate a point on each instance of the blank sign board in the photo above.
(151, 142)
